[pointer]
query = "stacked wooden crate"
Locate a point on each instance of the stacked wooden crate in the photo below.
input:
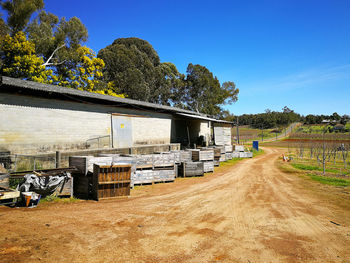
(221, 150)
(206, 156)
(245, 154)
(228, 152)
(217, 156)
(164, 166)
(152, 168)
(83, 177)
(240, 153)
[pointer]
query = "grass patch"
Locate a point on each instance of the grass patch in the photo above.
(257, 153)
(306, 167)
(329, 180)
(232, 161)
(55, 199)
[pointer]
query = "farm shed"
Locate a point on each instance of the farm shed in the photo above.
(37, 117)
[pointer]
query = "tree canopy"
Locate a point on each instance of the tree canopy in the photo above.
(40, 46)
(134, 67)
(48, 49)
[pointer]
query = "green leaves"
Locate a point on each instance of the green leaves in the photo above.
(203, 92)
(135, 69)
(20, 12)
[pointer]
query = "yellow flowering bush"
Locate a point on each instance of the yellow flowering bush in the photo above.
(20, 60)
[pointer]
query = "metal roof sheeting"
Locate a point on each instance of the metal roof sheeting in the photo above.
(47, 88)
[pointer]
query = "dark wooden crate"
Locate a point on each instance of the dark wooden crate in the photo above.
(187, 169)
(82, 186)
(202, 155)
(111, 181)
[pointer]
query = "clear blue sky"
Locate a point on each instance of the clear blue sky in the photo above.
(293, 53)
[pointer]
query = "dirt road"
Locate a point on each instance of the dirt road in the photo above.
(251, 212)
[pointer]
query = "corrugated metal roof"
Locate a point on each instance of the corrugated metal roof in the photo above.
(31, 85)
(202, 118)
(46, 88)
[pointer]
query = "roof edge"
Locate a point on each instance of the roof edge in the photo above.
(19, 83)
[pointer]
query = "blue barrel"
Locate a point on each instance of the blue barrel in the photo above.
(256, 145)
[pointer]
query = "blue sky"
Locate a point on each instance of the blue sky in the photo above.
(293, 53)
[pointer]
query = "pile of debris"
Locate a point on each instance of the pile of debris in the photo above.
(34, 185)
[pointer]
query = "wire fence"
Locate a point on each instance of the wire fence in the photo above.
(21, 162)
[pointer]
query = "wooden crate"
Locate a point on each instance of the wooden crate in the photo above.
(177, 156)
(218, 150)
(208, 166)
(239, 148)
(228, 155)
(85, 164)
(163, 160)
(111, 181)
(82, 186)
(191, 169)
(164, 175)
(228, 148)
(245, 154)
(202, 155)
(142, 177)
(182, 156)
(216, 163)
(235, 154)
(186, 156)
(222, 157)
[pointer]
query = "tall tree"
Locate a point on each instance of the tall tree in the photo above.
(20, 12)
(203, 91)
(58, 41)
(134, 67)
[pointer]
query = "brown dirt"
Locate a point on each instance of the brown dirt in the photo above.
(250, 212)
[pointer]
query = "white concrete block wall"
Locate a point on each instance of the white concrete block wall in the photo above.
(45, 129)
(151, 130)
(31, 124)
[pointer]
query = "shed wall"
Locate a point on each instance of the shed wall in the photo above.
(30, 124)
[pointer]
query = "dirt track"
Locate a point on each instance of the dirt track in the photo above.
(251, 212)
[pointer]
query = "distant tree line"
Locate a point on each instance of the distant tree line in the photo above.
(39, 46)
(268, 119)
(274, 119)
(318, 119)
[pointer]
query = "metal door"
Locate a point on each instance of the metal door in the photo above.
(122, 131)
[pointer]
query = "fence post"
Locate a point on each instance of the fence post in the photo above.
(15, 162)
(58, 159)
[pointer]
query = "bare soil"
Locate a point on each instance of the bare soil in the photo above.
(249, 212)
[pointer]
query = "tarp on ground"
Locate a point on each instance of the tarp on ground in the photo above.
(44, 185)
